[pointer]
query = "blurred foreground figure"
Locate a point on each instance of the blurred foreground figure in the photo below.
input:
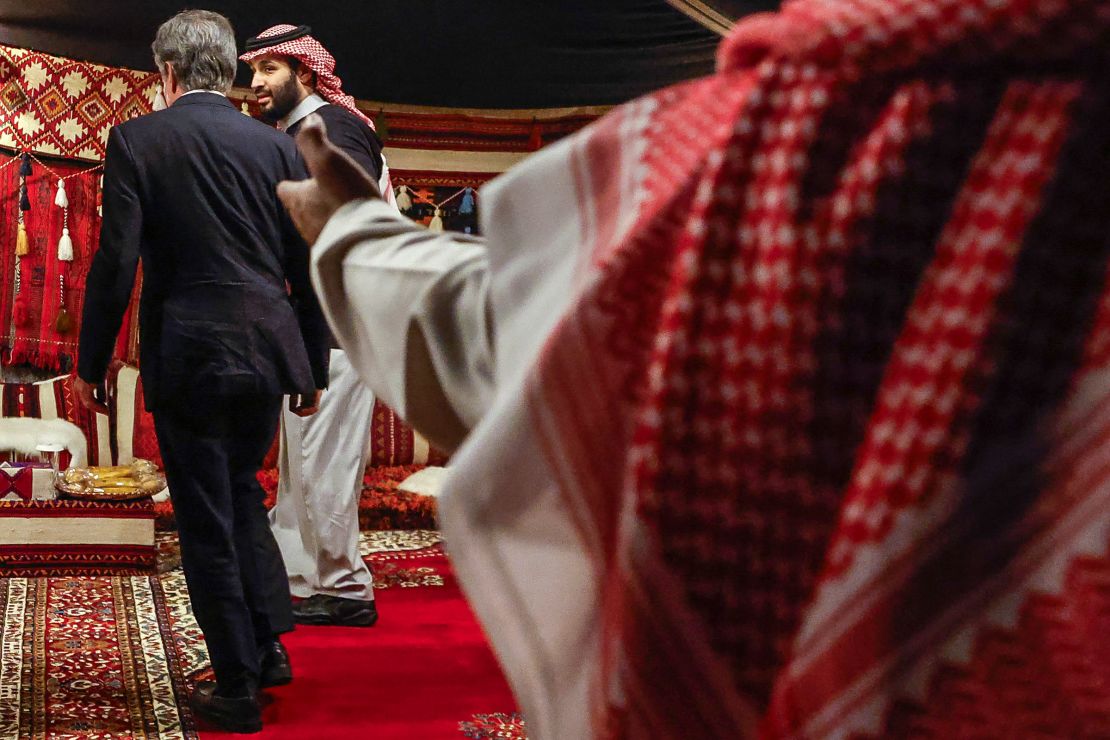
(797, 415)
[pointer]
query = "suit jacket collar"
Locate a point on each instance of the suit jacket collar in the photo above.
(203, 99)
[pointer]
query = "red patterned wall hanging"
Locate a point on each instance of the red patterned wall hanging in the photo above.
(64, 108)
(37, 339)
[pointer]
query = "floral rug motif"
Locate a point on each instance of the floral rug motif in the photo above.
(494, 727)
(88, 658)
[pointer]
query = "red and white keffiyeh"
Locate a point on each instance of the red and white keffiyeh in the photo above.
(810, 365)
(311, 53)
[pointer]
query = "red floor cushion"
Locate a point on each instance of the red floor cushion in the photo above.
(394, 442)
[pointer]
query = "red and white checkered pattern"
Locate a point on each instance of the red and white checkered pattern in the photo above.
(829, 411)
(313, 55)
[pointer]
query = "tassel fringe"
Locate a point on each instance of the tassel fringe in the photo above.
(65, 247)
(22, 246)
(64, 323)
(466, 207)
(404, 202)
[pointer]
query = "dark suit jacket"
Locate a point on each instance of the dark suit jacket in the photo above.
(351, 134)
(191, 190)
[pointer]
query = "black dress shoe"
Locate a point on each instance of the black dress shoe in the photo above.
(240, 714)
(276, 670)
(321, 609)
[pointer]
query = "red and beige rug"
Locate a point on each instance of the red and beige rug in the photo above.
(88, 658)
(110, 658)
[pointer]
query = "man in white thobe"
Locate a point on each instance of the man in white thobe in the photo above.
(323, 456)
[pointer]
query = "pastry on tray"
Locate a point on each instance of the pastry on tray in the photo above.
(112, 483)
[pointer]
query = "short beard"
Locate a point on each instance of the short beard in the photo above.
(283, 102)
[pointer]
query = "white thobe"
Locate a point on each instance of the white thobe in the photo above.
(409, 306)
(415, 311)
(315, 519)
(323, 456)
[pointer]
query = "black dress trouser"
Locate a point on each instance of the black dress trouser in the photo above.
(233, 567)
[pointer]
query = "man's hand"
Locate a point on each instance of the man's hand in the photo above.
(86, 394)
(336, 180)
(304, 404)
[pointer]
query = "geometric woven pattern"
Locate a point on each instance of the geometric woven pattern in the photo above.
(60, 107)
(393, 442)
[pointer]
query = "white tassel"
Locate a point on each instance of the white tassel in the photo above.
(437, 221)
(404, 202)
(65, 247)
(60, 199)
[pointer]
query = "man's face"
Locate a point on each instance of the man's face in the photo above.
(276, 86)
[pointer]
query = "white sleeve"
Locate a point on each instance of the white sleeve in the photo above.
(410, 308)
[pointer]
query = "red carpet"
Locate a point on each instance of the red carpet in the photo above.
(421, 672)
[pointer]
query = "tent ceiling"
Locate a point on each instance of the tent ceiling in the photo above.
(525, 54)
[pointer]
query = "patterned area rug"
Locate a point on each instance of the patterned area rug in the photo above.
(89, 658)
(115, 658)
(494, 727)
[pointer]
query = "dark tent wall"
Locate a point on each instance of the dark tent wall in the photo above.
(433, 52)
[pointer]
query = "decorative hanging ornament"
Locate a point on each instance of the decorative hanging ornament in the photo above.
(437, 221)
(65, 243)
(63, 322)
(22, 245)
(466, 205)
(100, 196)
(404, 200)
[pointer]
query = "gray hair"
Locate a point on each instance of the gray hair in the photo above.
(200, 45)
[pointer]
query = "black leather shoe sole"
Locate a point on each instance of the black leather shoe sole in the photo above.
(359, 618)
(240, 716)
(227, 723)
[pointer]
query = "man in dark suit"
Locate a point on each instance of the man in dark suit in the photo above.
(228, 325)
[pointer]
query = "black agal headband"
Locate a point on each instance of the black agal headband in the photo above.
(261, 42)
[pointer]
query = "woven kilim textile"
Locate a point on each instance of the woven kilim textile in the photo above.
(47, 284)
(68, 537)
(64, 108)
